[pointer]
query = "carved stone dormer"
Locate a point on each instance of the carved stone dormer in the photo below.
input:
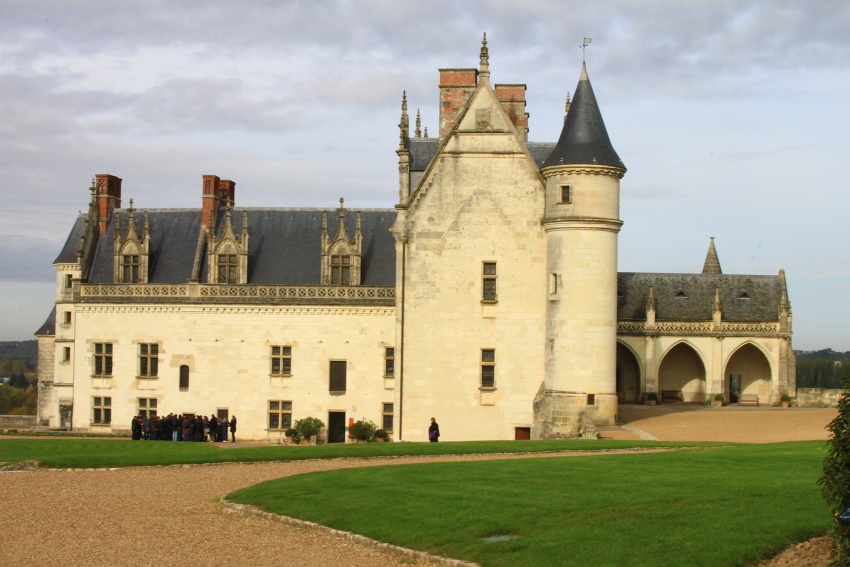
(650, 309)
(228, 254)
(130, 260)
(716, 310)
(340, 255)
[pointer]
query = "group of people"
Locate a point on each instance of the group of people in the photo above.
(183, 428)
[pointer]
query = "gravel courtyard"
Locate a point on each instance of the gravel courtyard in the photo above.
(172, 515)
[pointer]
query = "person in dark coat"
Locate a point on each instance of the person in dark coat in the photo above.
(433, 431)
(233, 429)
(136, 428)
(213, 428)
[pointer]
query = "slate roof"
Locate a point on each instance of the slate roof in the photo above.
(584, 139)
(690, 297)
(68, 254)
(48, 328)
(284, 244)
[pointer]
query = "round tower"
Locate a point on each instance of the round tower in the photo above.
(581, 220)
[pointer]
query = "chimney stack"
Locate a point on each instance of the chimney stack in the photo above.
(512, 98)
(227, 192)
(211, 201)
(108, 198)
(456, 86)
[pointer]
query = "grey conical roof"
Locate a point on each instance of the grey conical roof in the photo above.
(584, 139)
(712, 262)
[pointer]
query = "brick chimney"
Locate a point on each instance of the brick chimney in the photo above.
(456, 86)
(227, 192)
(108, 189)
(210, 201)
(512, 98)
(217, 194)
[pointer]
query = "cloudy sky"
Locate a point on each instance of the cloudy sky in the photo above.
(730, 115)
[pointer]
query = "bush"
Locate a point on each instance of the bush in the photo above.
(362, 430)
(381, 434)
(718, 397)
(293, 433)
(652, 396)
(308, 427)
(835, 482)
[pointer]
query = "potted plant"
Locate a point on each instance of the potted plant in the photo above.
(362, 430)
(307, 428)
(291, 435)
(786, 400)
(651, 398)
(718, 400)
(381, 435)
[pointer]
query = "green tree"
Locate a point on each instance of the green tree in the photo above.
(835, 482)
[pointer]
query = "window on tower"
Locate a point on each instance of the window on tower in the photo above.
(488, 293)
(566, 194)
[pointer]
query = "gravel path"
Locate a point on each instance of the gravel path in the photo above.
(172, 515)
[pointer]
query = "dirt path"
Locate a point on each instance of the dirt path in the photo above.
(172, 515)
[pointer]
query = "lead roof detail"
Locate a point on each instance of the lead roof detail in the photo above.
(584, 139)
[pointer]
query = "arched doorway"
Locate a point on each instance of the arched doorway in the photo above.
(748, 372)
(628, 375)
(683, 371)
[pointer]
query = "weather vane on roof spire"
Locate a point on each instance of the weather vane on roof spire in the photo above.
(583, 46)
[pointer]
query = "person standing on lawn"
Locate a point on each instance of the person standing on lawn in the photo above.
(433, 431)
(233, 429)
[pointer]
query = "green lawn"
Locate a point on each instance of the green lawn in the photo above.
(55, 452)
(714, 507)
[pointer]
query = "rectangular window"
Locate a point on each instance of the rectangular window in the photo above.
(66, 354)
(130, 268)
(227, 269)
(103, 359)
(66, 318)
(280, 414)
(553, 284)
(566, 194)
(281, 361)
(184, 377)
(489, 282)
(68, 281)
(339, 369)
(387, 422)
(101, 410)
(341, 270)
(147, 407)
(389, 362)
(488, 368)
(148, 360)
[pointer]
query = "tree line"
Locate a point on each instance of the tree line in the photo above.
(822, 368)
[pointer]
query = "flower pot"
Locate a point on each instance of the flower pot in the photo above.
(289, 440)
(305, 442)
(650, 402)
(381, 439)
(786, 404)
(718, 403)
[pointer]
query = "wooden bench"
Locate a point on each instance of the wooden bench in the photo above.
(748, 400)
(672, 396)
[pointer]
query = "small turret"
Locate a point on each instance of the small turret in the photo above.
(712, 262)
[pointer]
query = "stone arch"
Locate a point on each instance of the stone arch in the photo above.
(682, 369)
(748, 371)
(628, 374)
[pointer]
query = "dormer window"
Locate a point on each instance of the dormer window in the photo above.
(130, 268)
(340, 270)
(228, 269)
(341, 255)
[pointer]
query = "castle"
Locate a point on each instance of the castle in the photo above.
(488, 297)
